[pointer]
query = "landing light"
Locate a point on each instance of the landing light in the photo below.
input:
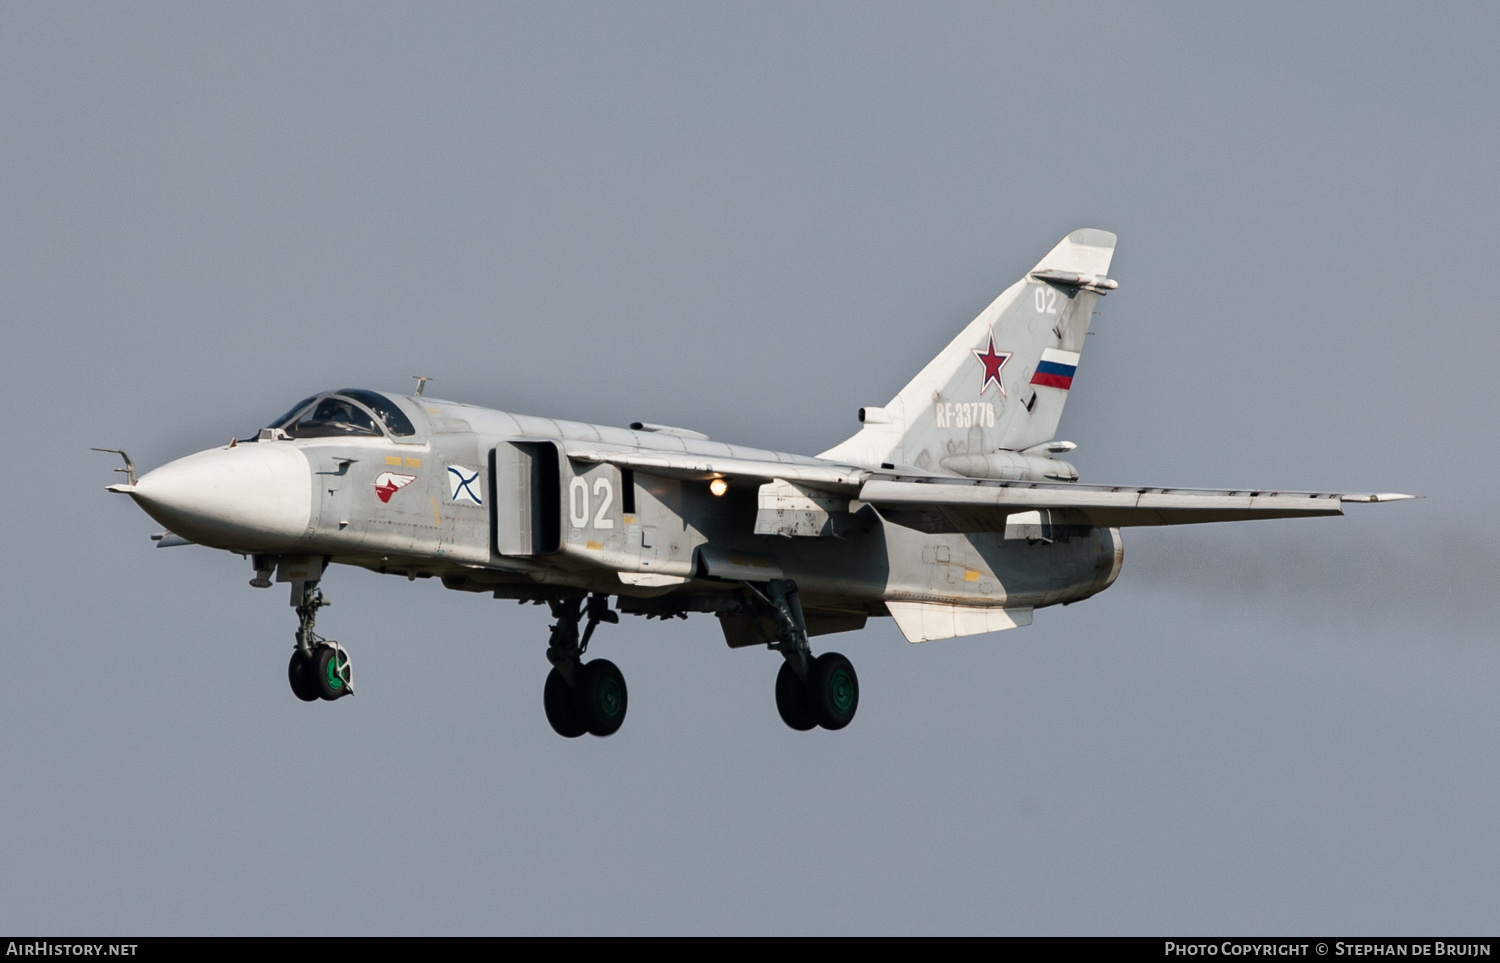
(718, 486)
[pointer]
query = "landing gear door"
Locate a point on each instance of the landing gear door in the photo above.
(525, 502)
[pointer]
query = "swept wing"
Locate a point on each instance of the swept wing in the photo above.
(962, 506)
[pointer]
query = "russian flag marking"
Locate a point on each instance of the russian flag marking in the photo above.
(1056, 369)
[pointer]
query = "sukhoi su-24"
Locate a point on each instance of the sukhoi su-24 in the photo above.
(949, 511)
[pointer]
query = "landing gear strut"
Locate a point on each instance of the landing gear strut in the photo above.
(582, 696)
(320, 667)
(822, 691)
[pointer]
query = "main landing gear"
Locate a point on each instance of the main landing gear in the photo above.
(320, 667)
(582, 696)
(810, 692)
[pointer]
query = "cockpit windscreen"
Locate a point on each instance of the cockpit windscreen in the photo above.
(332, 417)
(295, 410)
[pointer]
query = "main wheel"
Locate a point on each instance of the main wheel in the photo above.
(601, 697)
(331, 672)
(791, 700)
(561, 703)
(299, 672)
(833, 690)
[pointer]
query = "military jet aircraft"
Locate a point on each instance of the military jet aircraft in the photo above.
(949, 511)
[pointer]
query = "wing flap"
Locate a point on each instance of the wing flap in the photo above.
(968, 507)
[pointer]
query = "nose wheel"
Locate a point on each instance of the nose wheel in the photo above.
(299, 672)
(319, 668)
(325, 673)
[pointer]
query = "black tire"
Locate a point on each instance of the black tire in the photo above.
(602, 699)
(791, 700)
(299, 674)
(330, 676)
(561, 703)
(833, 690)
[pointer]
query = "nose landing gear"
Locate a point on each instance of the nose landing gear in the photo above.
(582, 696)
(320, 668)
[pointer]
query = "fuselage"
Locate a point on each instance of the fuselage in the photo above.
(491, 501)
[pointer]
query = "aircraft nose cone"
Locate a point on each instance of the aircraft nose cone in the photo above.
(254, 497)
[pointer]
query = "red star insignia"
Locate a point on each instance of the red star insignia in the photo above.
(993, 362)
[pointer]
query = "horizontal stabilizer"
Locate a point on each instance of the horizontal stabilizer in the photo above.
(960, 507)
(1075, 279)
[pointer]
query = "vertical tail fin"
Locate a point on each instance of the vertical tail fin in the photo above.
(1001, 384)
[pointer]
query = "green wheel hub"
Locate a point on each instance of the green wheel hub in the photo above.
(335, 672)
(329, 672)
(601, 697)
(834, 689)
(611, 700)
(841, 690)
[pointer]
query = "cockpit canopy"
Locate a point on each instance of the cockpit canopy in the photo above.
(342, 413)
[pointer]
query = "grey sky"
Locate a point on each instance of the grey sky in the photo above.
(751, 220)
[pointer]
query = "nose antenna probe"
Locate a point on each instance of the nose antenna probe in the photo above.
(421, 383)
(129, 468)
